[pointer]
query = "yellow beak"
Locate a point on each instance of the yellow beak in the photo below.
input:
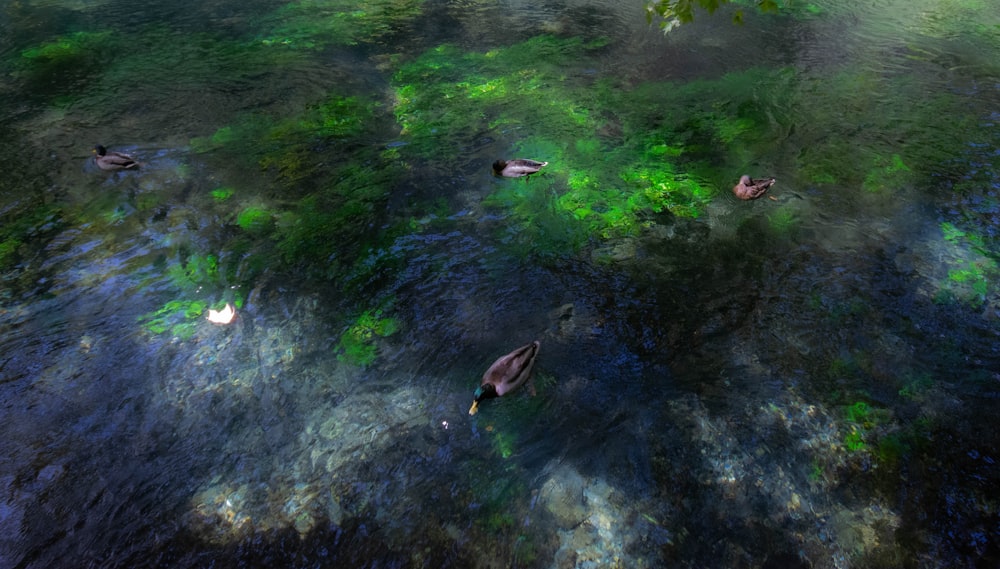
(474, 409)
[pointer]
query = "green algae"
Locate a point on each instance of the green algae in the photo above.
(595, 187)
(316, 24)
(222, 194)
(973, 272)
(255, 220)
(285, 145)
(887, 174)
(25, 229)
(74, 55)
(357, 345)
(8, 251)
(179, 318)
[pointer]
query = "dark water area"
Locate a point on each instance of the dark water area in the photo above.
(808, 379)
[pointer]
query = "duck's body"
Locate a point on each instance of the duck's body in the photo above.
(507, 374)
(517, 168)
(750, 189)
(112, 161)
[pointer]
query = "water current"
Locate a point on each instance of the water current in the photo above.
(808, 379)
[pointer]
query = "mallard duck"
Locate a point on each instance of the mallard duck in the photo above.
(112, 161)
(750, 189)
(517, 168)
(507, 374)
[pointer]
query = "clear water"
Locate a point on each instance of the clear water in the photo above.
(803, 381)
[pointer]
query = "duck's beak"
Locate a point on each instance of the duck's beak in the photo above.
(474, 409)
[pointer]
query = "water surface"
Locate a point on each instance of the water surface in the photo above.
(805, 380)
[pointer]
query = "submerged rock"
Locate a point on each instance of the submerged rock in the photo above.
(562, 496)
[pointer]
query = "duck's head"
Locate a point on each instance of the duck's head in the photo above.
(499, 165)
(484, 391)
(100, 150)
(744, 179)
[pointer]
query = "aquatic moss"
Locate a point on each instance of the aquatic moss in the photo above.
(194, 271)
(176, 317)
(25, 227)
(255, 220)
(607, 186)
(222, 194)
(915, 387)
(447, 93)
(70, 56)
(357, 344)
(288, 145)
(315, 24)
(886, 174)
(8, 250)
(973, 273)
(859, 412)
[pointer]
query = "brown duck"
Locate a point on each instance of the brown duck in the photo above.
(517, 168)
(112, 161)
(507, 374)
(750, 189)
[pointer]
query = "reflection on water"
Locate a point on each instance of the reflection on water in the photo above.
(801, 381)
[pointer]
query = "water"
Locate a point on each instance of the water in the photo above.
(803, 381)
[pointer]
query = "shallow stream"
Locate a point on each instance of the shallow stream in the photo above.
(809, 379)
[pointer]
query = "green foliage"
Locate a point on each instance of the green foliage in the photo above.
(859, 412)
(255, 220)
(886, 174)
(287, 145)
(815, 471)
(315, 24)
(973, 272)
(194, 271)
(615, 176)
(783, 221)
(357, 344)
(891, 448)
(854, 440)
(222, 194)
(503, 443)
(329, 229)
(22, 226)
(8, 248)
(446, 93)
(178, 317)
(72, 55)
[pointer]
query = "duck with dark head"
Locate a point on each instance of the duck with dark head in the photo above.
(113, 161)
(507, 374)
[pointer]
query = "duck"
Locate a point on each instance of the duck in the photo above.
(507, 374)
(750, 189)
(113, 161)
(517, 168)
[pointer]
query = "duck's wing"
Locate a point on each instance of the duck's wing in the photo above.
(758, 187)
(525, 163)
(510, 371)
(118, 160)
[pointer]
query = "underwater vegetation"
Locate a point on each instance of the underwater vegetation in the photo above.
(68, 56)
(293, 147)
(316, 24)
(357, 345)
(608, 183)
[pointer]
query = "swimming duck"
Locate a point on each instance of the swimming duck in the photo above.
(507, 374)
(750, 189)
(112, 161)
(517, 168)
